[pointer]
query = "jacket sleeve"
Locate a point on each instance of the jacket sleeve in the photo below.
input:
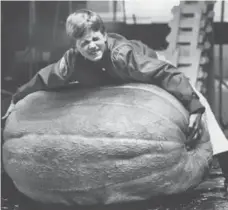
(142, 68)
(52, 76)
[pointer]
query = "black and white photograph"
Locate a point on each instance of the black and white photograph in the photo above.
(114, 105)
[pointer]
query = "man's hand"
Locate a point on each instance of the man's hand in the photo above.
(193, 119)
(10, 109)
(194, 129)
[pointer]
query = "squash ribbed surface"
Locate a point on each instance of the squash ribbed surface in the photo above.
(101, 146)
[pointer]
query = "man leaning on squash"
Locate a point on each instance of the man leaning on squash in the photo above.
(99, 58)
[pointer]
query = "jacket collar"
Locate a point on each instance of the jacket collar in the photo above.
(114, 39)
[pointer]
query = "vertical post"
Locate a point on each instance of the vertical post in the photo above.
(55, 26)
(211, 74)
(210, 66)
(221, 68)
(114, 10)
(70, 7)
(32, 18)
(124, 12)
(32, 22)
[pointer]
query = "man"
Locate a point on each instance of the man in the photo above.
(99, 58)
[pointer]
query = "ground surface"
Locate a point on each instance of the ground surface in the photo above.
(210, 195)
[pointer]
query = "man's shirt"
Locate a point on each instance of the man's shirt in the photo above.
(124, 61)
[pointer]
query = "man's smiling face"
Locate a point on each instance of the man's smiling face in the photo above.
(92, 45)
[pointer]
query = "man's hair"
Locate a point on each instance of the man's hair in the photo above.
(81, 21)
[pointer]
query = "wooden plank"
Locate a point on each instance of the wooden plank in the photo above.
(186, 22)
(185, 60)
(185, 37)
(190, 73)
(190, 59)
(189, 22)
(191, 8)
(184, 50)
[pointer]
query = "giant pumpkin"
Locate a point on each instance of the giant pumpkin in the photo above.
(102, 145)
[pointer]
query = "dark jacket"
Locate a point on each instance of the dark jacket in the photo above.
(124, 61)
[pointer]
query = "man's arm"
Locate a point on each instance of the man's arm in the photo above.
(142, 68)
(53, 75)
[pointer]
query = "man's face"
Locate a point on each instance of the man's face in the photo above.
(92, 45)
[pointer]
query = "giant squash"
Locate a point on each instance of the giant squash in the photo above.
(102, 145)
